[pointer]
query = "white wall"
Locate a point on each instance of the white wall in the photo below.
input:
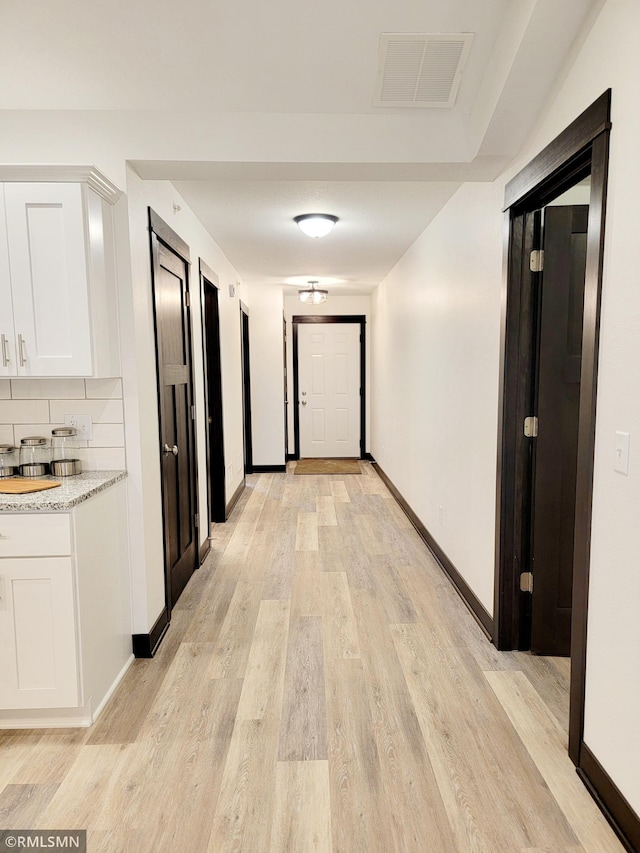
(436, 327)
(434, 428)
(267, 372)
(140, 388)
(334, 306)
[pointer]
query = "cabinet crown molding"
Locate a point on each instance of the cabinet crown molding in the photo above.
(43, 173)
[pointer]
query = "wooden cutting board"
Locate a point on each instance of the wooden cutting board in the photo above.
(23, 487)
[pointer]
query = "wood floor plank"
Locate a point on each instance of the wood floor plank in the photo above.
(305, 594)
(360, 819)
(22, 805)
(418, 817)
(302, 818)
(440, 609)
(545, 741)
(339, 490)
(370, 535)
(231, 652)
(79, 802)
(338, 621)
(279, 573)
(51, 757)
(16, 747)
(263, 685)
(462, 725)
(208, 619)
(307, 532)
(326, 511)
(341, 546)
(244, 811)
(258, 489)
(179, 818)
(303, 732)
(392, 591)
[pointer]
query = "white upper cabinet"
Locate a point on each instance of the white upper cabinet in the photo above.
(56, 274)
(7, 332)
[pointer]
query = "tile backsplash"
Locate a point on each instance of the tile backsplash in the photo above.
(36, 406)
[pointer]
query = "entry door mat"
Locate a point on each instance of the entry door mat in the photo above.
(327, 466)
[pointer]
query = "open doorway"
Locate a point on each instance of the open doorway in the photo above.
(550, 328)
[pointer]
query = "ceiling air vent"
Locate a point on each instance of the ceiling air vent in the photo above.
(420, 69)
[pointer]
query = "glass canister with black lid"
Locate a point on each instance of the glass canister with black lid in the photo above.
(8, 460)
(65, 461)
(35, 455)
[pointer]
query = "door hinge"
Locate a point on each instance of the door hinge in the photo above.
(197, 518)
(187, 299)
(531, 427)
(526, 582)
(193, 413)
(536, 260)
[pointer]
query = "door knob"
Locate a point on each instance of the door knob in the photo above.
(304, 402)
(173, 449)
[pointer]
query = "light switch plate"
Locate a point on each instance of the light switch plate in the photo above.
(621, 458)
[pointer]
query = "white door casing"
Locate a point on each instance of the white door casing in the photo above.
(329, 389)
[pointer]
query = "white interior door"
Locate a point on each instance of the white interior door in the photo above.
(329, 389)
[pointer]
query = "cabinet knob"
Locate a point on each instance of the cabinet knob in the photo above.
(173, 449)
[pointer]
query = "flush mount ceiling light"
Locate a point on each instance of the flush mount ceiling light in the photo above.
(313, 296)
(315, 224)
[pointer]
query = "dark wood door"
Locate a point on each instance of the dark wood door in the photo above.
(213, 382)
(173, 347)
(556, 447)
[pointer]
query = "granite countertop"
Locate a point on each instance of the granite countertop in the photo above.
(71, 492)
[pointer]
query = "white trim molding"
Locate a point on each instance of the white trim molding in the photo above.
(46, 173)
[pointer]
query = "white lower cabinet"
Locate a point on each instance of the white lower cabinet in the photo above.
(65, 625)
(38, 648)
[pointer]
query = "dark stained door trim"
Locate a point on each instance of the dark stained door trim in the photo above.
(581, 149)
(246, 388)
(330, 318)
(212, 361)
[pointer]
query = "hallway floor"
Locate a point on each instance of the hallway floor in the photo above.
(322, 687)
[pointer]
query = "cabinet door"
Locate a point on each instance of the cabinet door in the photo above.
(38, 651)
(49, 278)
(8, 363)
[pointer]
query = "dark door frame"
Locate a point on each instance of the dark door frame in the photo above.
(246, 388)
(159, 229)
(581, 149)
(214, 425)
(286, 386)
(359, 319)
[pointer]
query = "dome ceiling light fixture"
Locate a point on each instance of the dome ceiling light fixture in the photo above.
(315, 224)
(314, 295)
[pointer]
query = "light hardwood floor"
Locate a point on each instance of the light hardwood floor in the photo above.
(322, 687)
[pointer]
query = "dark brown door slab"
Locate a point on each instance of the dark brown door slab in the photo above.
(558, 409)
(173, 346)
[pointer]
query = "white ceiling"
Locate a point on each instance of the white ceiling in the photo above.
(287, 87)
